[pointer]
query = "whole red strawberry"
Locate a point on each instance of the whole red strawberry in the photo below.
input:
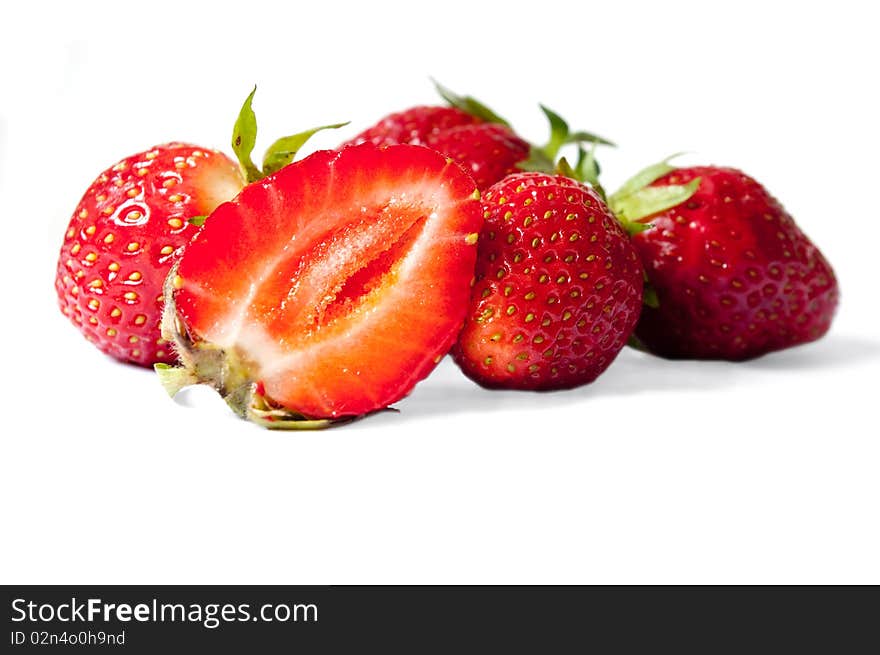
(123, 237)
(329, 289)
(734, 276)
(132, 224)
(472, 134)
(488, 151)
(414, 126)
(558, 286)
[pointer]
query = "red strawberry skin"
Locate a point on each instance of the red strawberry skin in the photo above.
(734, 275)
(558, 287)
(338, 283)
(124, 236)
(413, 126)
(488, 151)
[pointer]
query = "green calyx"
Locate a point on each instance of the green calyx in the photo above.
(278, 155)
(470, 105)
(561, 135)
(543, 159)
(635, 201)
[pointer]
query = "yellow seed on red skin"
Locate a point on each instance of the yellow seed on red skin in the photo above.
(140, 319)
(91, 257)
(131, 193)
(130, 295)
(167, 250)
(114, 267)
(133, 246)
(109, 238)
(175, 223)
(111, 332)
(83, 213)
(471, 238)
(115, 312)
(170, 182)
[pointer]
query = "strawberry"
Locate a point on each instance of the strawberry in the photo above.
(474, 136)
(131, 226)
(127, 230)
(733, 274)
(558, 286)
(329, 289)
(488, 150)
(414, 126)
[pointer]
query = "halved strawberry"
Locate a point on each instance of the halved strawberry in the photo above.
(330, 288)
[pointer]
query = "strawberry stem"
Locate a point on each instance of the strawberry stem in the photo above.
(278, 155)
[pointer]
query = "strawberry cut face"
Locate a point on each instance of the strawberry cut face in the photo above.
(339, 282)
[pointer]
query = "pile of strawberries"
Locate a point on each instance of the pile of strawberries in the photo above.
(310, 292)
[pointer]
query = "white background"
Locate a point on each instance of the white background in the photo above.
(685, 472)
